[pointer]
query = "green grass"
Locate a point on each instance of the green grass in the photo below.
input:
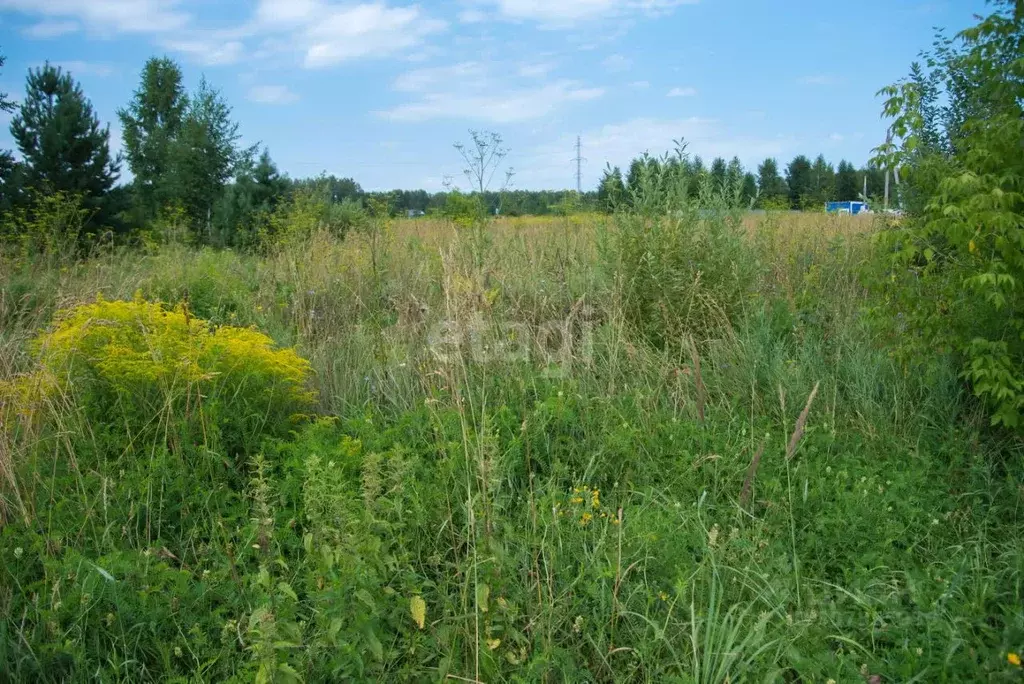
(887, 541)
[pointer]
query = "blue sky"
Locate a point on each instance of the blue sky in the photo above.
(379, 90)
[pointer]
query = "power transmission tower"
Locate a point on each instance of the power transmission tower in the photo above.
(579, 167)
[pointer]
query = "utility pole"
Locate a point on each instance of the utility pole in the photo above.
(579, 167)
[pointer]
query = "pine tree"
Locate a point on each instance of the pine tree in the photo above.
(152, 124)
(847, 186)
(62, 144)
(799, 181)
(734, 174)
(749, 192)
(6, 104)
(612, 191)
(771, 186)
(718, 174)
(9, 168)
(248, 201)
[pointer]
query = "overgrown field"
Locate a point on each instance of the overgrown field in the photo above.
(639, 448)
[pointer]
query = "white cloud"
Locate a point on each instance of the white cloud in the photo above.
(465, 74)
(80, 68)
(211, 52)
(681, 92)
(106, 16)
(280, 13)
(614, 63)
(836, 137)
(322, 32)
(327, 33)
(271, 94)
(50, 28)
(502, 106)
(640, 85)
(564, 12)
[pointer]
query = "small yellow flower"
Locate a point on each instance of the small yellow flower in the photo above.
(585, 520)
(663, 596)
(1013, 659)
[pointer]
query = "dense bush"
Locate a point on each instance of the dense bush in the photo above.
(154, 371)
(682, 259)
(958, 267)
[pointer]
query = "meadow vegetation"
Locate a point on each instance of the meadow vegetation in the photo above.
(678, 442)
(648, 447)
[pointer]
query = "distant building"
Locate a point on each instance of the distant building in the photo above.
(846, 207)
(414, 213)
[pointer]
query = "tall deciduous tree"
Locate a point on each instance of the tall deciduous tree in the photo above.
(823, 181)
(61, 142)
(206, 155)
(152, 124)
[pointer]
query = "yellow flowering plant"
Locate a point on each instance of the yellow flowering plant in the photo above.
(148, 367)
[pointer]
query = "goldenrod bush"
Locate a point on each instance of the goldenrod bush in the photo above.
(157, 370)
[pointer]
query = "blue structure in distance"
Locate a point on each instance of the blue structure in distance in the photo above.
(846, 207)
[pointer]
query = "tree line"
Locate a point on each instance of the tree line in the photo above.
(189, 168)
(802, 184)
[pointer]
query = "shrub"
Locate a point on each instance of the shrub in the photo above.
(958, 268)
(681, 260)
(126, 362)
(311, 210)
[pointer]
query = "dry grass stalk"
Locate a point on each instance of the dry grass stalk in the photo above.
(801, 422)
(748, 483)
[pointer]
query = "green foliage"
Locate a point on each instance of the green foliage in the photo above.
(612, 191)
(848, 185)
(464, 210)
(53, 227)
(152, 123)
(490, 519)
(965, 247)
(770, 185)
(206, 156)
(6, 104)
(799, 180)
(63, 147)
(308, 211)
(242, 212)
(682, 264)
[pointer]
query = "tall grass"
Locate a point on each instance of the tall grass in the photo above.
(648, 447)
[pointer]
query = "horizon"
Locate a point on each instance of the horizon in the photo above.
(379, 91)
